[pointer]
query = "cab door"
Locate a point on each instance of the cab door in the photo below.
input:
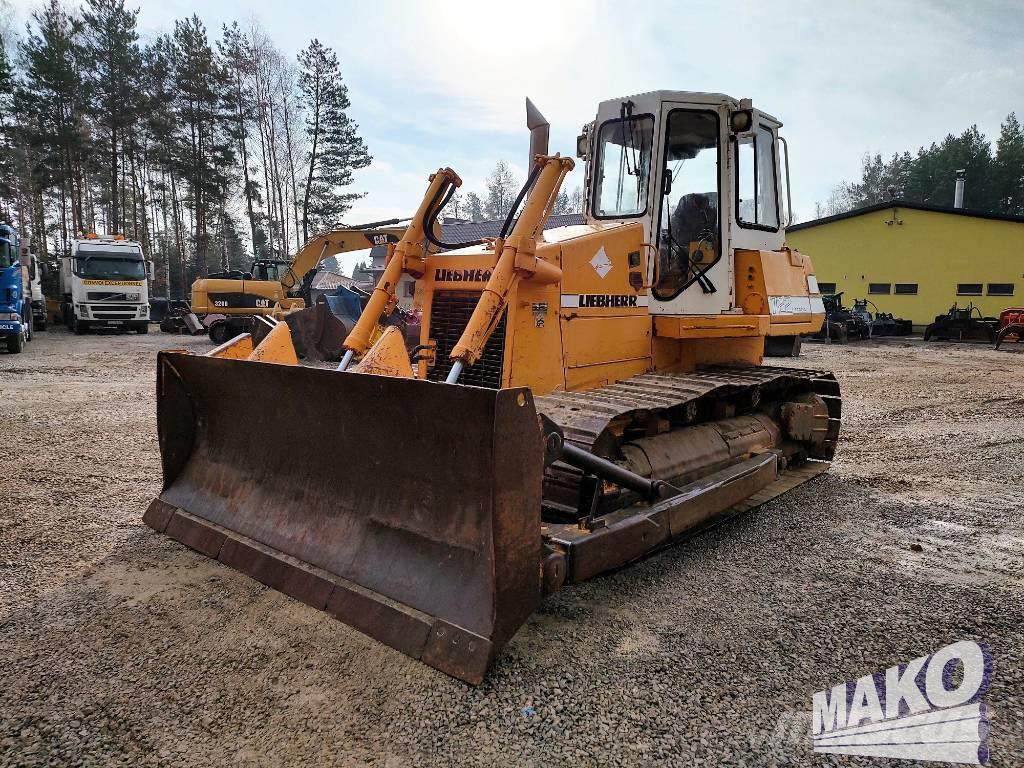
(693, 271)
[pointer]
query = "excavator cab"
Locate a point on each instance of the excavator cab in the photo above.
(579, 397)
(271, 270)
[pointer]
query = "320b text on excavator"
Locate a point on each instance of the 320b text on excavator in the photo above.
(580, 396)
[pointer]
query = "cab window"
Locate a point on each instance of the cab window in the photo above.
(756, 187)
(623, 167)
(265, 272)
(689, 230)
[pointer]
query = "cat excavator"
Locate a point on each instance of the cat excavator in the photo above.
(274, 287)
(580, 397)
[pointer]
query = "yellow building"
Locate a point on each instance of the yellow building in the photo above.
(916, 260)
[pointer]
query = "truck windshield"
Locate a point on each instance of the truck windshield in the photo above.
(103, 267)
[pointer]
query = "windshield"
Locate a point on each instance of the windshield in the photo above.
(110, 267)
(623, 167)
(7, 254)
(262, 270)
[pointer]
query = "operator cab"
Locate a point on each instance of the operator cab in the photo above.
(267, 269)
(702, 172)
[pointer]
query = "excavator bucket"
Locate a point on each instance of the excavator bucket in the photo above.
(409, 510)
(318, 333)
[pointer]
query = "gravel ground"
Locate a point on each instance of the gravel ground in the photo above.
(120, 647)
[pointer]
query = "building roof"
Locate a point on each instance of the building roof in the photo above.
(908, 205)
(461, 232)
(329, 281)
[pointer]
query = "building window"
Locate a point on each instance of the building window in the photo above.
(827, 288)
(1000, 289)
(968, 289)
(906, 289)
(880, 288)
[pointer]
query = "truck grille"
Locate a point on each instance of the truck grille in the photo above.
(115, 308)
(449, 315)
(106, 295)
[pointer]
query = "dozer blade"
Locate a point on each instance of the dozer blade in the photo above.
(409, 510)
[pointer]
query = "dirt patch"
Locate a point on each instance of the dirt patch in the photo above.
(120, 647)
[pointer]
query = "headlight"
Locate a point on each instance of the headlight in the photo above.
(143, 310)
(10, 316)
(82, 310)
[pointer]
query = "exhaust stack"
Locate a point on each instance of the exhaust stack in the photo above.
(958, 195)
(540, 131)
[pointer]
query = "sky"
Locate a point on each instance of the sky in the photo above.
(443, 83)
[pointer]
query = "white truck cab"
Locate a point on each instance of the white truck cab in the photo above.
(104, 283)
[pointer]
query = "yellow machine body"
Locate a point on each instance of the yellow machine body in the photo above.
(588, 331)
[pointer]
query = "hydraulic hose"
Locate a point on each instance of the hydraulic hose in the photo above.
(509, 220)
(428, 227)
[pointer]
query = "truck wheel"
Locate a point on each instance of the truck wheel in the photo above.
(77, 325)
(219, 332)
(15, 343)
(143, 328)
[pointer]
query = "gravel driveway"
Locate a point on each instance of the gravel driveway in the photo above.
(119, 646)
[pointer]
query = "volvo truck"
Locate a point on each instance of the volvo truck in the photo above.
(104, 283)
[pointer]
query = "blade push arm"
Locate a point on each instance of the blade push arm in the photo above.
(409, 256)
(517, 261)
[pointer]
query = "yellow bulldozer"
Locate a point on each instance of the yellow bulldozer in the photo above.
(580, 396)
(275, 287)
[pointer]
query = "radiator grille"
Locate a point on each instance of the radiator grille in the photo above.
(449, 315)
(109, 295)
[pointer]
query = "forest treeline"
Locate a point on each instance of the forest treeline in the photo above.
(994, 183)
(205, 148)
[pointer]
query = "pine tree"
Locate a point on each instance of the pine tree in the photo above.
(9, 150)
(50, 102)
(336, 150)
(200, 84)
(562, 203)
(502, 189)
(576, 200)
(474, 207)
(236, 53)
(1009, 167)
(113, 64)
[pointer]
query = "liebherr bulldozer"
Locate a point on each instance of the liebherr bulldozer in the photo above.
(580, 396)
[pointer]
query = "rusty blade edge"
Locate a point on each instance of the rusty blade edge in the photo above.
(440, 644)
